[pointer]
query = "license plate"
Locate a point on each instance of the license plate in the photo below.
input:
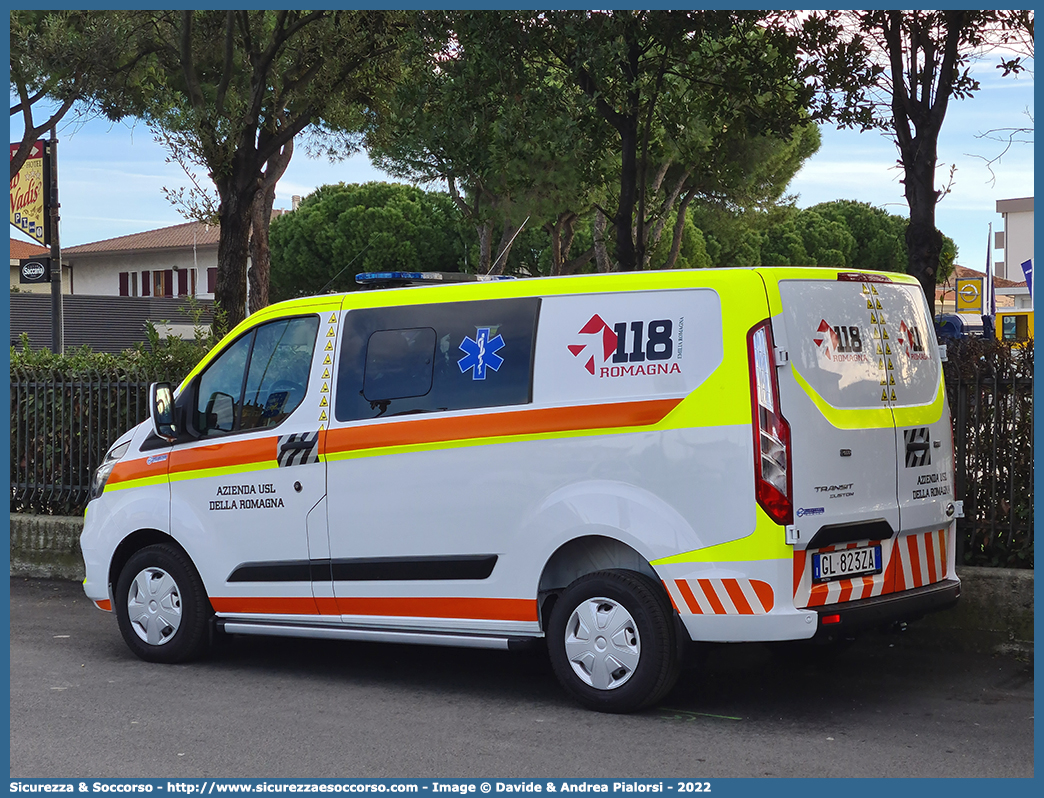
(829, 565)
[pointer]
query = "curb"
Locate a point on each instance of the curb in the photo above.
(46, 546)
(995, 612)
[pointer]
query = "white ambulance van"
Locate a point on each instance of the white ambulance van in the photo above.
(614, 464)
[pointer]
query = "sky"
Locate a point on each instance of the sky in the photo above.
(112, 175)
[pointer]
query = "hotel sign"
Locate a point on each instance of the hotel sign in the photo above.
(29, 190)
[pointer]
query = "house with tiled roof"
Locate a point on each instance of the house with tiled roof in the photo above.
(114, 288)
(172, 261)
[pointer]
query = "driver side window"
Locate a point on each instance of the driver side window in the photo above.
(259, 380)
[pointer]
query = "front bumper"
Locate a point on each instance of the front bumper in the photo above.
(908, 605)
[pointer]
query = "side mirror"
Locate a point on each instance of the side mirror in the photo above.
(161, 409)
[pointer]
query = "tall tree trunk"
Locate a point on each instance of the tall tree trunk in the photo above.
(918, 110)
(924, 242)
(234, 214)
(259, 276)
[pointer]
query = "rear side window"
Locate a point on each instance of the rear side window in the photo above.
(430, 358)
(399, 364)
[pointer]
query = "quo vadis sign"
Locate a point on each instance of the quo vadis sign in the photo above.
(28, 193)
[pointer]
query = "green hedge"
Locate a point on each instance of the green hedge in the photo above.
(66, 410)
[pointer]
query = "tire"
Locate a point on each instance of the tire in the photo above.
(161, 605)
(635, 662)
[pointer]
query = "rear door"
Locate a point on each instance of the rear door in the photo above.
(863, 395)
(836, 395)
(924, 443)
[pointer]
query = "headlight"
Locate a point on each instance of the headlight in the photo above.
(101, 475)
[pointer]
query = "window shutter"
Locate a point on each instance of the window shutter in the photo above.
(211, 280)
(182, 281)
(145, 283)
(168, 282)
(124, 283)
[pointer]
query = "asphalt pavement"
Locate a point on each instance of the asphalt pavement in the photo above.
(889, 706)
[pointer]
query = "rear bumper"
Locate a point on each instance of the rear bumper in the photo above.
(908, 605)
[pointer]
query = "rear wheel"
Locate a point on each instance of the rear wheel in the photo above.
(612, 643)
(161, 605)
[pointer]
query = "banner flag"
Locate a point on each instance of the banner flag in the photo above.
(1027, 269)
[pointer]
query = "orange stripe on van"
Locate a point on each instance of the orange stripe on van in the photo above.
(223, 454)
(488, 609)
(499, 425)
(126, 470)
(230, 453)
(282, 605)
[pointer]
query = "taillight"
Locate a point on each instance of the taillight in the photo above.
(772, 482)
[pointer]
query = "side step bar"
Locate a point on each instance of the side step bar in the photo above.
(375, 635)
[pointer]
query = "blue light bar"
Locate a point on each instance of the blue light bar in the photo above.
(389, 279)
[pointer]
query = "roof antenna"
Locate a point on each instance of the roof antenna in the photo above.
(509, 243)
(342, 271)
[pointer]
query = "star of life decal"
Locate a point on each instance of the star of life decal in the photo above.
(480, 353)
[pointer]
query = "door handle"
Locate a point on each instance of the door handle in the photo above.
(298, 445)
(917, 446)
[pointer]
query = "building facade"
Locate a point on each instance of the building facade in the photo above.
(177, 261)
(1014, 243)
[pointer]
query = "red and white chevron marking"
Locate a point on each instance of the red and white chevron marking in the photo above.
(722, 596)
(912, 561)
(807, 594)
(920, 560)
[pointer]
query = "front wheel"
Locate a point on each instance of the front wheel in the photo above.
(161, 605)
(612, 643)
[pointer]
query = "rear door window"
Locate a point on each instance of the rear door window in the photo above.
(432, 358)
(861, 344)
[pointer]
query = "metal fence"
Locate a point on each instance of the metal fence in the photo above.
(61, 427)
(990, 387)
